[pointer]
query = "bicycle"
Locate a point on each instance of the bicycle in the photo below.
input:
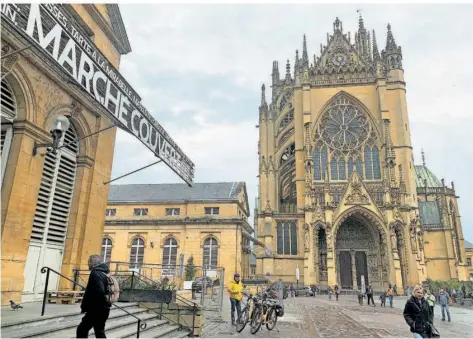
(246, 313)
(266, 312)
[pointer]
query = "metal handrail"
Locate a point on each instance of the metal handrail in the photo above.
(160, 314)
(140, 326)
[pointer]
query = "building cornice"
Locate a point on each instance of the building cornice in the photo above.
(30, 129)
(181, 221)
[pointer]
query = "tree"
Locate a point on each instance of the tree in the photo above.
(190, 269)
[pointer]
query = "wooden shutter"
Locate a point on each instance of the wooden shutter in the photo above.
(55, 194)
(8, 102)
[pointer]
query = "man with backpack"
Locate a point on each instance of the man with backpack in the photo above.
(101, 292)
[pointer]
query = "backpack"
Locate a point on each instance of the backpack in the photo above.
(112, 289)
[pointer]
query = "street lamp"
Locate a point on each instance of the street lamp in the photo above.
(60, 126)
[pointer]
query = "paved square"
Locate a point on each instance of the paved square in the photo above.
(308, 317)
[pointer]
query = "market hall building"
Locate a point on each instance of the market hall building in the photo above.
(60, 86)
(339, 193)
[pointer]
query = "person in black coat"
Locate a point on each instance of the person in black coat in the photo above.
(95, 303)
(417, 314)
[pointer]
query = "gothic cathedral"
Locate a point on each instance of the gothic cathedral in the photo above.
(339, 194)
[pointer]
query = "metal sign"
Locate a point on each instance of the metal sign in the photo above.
(297, 272)
(62, 40)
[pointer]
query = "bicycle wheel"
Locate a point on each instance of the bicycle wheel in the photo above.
(256, 320)
(242, 319)
(272, 319)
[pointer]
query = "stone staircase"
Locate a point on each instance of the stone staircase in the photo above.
(63, 324)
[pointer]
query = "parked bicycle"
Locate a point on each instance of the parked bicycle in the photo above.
(246, 313)
(266, 312)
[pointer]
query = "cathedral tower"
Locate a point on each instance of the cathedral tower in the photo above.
(337, 183)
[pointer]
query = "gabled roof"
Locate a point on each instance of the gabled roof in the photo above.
(221, 191)
(423, 173)
(468, 244)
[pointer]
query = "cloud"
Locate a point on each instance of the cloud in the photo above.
(199, 69)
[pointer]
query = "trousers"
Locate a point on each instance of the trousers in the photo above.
(95, 319)
(445, 307)
(370, 297)
(235, 304)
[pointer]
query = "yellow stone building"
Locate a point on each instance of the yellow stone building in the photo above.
(52, 203)
(339, 193)
(469, 258)
(155, 223)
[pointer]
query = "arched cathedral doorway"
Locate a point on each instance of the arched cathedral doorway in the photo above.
(359, 253)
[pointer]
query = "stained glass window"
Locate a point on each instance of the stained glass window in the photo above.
(333, 170)
(350, 167)
(280, 237)
(286, 237)
(317, 172)
(359, 167)
(368, 164)
(293, 238)
(287, 242)
(341, 168)
(324, 161)
(376, 164)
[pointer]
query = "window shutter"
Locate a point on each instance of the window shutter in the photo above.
(4, 137)
(44, 197)
(8, 102)
(55, 194)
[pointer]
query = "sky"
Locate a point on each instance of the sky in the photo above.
(199, 70)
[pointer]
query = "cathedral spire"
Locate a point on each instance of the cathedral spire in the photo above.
(305, 56)
(288, 72)
(392, 54)
(297, 64)
(376, 56)
(263, 97)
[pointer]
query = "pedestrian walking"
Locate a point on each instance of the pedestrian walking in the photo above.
(96, 301)
(369, 295)
(431, 301)
(314, 290)
(390, 296)
(330, 292)
(395, 290)
(382, 297)
(416, 314)
(235, 289)
(444, 300)
(336, 291)
(292, 291)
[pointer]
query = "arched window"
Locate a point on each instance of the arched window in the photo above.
(137, 253)
(372, 165)
(106, 249)
(170, 252)
(286, 237)
(8, 115)
(286, 120)
(210, 253)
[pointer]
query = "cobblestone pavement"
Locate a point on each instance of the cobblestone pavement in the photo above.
(308, 317)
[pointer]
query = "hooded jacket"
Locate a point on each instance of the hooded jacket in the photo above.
(416, 314)
(95, 296)
(444, 298)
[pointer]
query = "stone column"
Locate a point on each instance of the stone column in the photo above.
(353, 269)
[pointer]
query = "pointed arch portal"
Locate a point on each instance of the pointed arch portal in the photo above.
(360, 253)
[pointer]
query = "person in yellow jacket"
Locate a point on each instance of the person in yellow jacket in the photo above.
(235, 289)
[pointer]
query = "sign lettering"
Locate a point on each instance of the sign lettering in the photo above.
(54, 32)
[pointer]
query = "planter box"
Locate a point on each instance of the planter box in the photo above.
(156, 296)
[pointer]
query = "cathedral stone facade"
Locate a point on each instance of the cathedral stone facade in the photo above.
(339, 194)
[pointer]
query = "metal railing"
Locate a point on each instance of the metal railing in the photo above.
(136, 278)
(141, 325)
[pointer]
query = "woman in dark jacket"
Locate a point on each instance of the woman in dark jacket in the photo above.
(417, 314)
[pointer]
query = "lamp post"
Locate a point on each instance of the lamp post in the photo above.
(297, 280)
(60, 127)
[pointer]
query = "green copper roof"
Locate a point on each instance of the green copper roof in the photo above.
(423, 173)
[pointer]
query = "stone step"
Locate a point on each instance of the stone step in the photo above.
(152, 331)
(112, 324)
(55, 315)
(39, 328)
